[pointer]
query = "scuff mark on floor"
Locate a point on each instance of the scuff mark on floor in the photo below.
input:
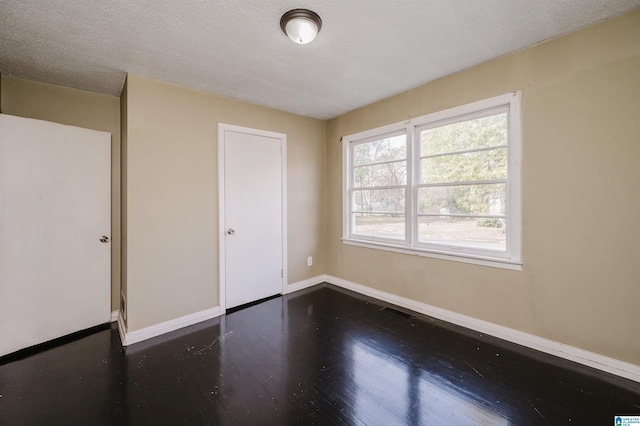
(224, 336)
(534, 407)
(477, 372)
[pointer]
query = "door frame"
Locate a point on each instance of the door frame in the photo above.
(222, 241)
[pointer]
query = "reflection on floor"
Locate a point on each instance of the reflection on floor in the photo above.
(321, 356)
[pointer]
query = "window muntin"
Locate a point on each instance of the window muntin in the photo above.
(379, 187)
(387, 174)
(381, 150)
(484, 200)
(380, 226)
(488, 165)
(443, 185)
(465, 133)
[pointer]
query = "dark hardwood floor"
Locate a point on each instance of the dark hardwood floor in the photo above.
(321, 356)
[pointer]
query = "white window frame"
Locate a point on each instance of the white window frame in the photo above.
(511, 257)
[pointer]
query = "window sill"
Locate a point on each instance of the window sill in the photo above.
(464, 258)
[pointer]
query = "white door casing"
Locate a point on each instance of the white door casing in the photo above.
(54, 208)
(252, 214)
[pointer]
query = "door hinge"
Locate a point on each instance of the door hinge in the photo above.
(282, 273)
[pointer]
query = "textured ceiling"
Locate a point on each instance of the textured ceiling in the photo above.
(367, 49)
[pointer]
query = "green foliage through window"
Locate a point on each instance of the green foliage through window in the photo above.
(447, 183)
(470, 154)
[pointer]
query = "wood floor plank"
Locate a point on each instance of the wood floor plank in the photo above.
(321, 356)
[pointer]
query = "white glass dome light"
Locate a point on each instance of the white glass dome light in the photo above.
(301, 25)
(301, 30)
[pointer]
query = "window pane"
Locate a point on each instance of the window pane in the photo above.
(488, 199)
(387, 174)
(380, 225)
(479, 232)
(467, 167)
(379, 200)
(477, 133)
(386, 149)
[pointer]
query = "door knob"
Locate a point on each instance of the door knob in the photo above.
(230, 231)
(104, 239)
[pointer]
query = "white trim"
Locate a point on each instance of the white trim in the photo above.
(309, 282)
(509, 103)
(122, 331)
(165, 327)
(464, 112)
(285, 248)
(419, 251)
(222, 128)
(571, 353)
(114, 315)
(222, 261)
(123, 305)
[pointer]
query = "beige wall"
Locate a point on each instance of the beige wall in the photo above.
(77, 108)
(580, 283)
(171, 196)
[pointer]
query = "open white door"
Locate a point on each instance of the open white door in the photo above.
(252, 215)
(54, 211)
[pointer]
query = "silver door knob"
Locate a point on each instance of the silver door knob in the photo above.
(230, 231)
(104, 239)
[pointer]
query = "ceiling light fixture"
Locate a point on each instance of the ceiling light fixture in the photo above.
(301, 25)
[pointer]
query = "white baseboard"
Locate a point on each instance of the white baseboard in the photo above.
(114, 315)
(581, 356)
(168, 326)
(309, 282)
(129, 338)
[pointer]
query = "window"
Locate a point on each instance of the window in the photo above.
(380, 187)
(445, 185)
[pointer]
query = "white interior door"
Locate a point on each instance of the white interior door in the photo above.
(54, 209)
(253, 215)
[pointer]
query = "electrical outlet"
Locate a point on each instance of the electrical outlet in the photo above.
(309, 260)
